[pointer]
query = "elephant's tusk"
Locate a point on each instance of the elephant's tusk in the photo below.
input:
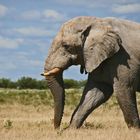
(45, 74)
(51, 72)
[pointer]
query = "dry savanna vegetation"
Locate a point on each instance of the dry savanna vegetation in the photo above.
(28, 115)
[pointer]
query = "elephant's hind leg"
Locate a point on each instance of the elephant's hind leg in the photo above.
(93, 96)
(126, 97)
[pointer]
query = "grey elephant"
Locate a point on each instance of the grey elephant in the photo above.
(108, 49)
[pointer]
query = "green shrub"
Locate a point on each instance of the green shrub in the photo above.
(7, 83)
(27, 82)
(73, 97)
(70, 83)
(8, 124)
(31, 83)
(25, 97)
(37, 97)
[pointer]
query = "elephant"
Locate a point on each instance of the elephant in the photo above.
(108, 50)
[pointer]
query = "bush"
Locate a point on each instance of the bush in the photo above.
(42, 84)
(82, 83)
(70, 83)
(31, 83)
(26, 97)
(7, 83)
(27, 82)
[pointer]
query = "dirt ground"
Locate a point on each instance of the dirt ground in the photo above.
(20, 122)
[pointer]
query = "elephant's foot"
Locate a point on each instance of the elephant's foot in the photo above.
(75, 124)
(133, 123)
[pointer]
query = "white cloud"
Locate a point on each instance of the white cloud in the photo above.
(10, 43)
(3, 10)
(52, 14)
(93, 3)
(129, 8)
(33, 31)
(76, 2)
(29, 15)
(6, 65)
(25, 60)
(35, 63)
(47, 15)
(19, 62)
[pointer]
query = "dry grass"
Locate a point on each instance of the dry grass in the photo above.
(18, 122)
(29, 122)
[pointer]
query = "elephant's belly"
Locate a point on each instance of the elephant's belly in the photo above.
(122, 69)
(103, 74)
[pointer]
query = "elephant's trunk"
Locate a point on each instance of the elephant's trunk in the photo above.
(56, 86)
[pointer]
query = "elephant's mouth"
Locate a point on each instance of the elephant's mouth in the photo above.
(52, 72)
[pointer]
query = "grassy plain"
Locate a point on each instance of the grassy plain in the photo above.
(28, 115)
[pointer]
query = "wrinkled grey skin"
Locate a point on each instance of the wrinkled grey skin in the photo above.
(109, 51)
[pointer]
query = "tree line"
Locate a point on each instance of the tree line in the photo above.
(32, 83)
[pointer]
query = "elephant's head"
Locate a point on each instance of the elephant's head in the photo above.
(81, 41)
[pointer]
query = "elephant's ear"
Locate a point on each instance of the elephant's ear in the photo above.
(99, 45)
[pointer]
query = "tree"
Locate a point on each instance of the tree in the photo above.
(27, 82)
(31, 83)
(4, 82)
(82, 83)
(41, 84)
(70, 83)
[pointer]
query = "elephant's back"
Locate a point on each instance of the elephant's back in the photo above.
(123, 23)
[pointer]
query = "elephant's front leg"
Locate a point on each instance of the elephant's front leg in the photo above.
(94, 95)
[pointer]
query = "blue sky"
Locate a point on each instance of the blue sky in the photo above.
(27, 28)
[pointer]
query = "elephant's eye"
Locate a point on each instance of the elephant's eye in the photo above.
(66, 46)
(69, 48)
